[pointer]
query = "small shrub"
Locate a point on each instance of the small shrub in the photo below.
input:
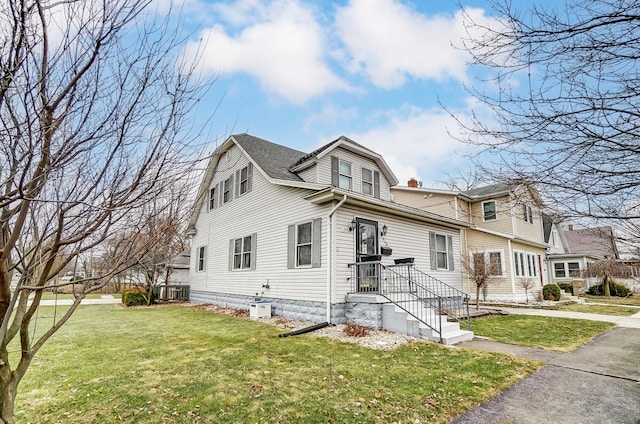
(551, 292)
(355, 330)
(616, 289)
(567, 287)
(134, 297)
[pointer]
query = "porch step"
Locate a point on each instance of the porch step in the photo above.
(397, 320)
(566, 296)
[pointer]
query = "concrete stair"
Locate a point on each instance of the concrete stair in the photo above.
(397, 320)
(566, 296)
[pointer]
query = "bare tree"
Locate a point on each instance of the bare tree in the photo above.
(527, 284)
(93, 128)
(607, 269)
(158, 236)
(480, 268)
(563, 93)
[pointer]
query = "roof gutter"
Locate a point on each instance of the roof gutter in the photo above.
(330, 242)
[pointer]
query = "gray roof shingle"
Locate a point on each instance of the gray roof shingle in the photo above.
(274, 159)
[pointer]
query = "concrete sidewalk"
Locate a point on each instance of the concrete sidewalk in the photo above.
(104, 300)
(595, 384)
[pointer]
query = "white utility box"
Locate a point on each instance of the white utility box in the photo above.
(260, 310)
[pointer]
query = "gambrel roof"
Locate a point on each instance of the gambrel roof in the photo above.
(280, 164)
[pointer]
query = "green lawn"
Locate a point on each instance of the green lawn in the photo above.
(600, 309)
(631, 300)
(178, 364)
(536, 331)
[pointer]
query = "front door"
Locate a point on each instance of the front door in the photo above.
(367, 251)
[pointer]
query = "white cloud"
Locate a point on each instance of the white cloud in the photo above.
(416, 143)
(389, 42)
(279, 43)
(331, 115)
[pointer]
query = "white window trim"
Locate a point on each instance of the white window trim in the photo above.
(370, 183)
(227, 189)
(245, 181)
(350, 175)
(528, 213)
(446, 252)
(487, 258)
(212, 198)
(201, 262)
(564, 270)
(495, 211)
(297, 244)
(243, 251)
(520, 263)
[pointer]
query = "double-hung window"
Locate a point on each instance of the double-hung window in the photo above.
(528, 213)
(303, 244)
(441, 252)
(574, 269)
(559, 270)
(489, 211)
(345, 175)
(491, 259)
(367, 181)
(244, 180)
(226, 190)
(212, 198)
(533, 268)
(243, 253)
(201, 259)
(519, 260)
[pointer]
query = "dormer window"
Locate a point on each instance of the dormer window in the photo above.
(367, 181)
(345, 175)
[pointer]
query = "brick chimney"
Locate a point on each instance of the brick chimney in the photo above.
(412, 183)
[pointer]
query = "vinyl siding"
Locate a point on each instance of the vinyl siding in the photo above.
(441, 204)
(310, 174)
(357, 163)
(503, 223)
(407, 239)
(267, 211)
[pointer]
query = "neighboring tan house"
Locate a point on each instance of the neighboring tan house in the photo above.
(506, 229)
(572, 250)
(317, 236)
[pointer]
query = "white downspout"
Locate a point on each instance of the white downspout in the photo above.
(330, 256)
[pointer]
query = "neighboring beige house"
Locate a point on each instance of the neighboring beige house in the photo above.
(506, 228)
(317, 235)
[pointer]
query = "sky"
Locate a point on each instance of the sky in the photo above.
(302, 73)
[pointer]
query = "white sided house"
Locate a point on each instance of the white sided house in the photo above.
(318, 237)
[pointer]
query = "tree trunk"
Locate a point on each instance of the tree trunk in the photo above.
(477, 297)
(605, 286)
(8, 391)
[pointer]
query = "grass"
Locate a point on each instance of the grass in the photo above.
(184, 365)
(536, 331)
(600, 309)
(631, 301)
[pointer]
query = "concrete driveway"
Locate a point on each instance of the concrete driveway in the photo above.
(598, 383)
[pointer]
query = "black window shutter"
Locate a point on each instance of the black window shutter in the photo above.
(249, 177)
